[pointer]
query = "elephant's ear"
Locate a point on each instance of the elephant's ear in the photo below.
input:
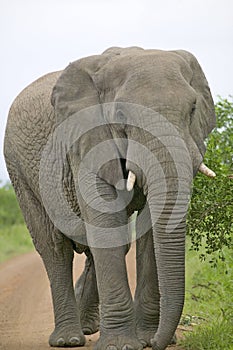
(75, 88)
(203, 118)
(75, 91)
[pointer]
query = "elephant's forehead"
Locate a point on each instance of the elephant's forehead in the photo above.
(147, 69)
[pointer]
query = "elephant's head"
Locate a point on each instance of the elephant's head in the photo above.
(157, 110)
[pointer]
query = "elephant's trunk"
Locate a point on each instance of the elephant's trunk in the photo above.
(168, 196)
(166, 178)
(169, 245)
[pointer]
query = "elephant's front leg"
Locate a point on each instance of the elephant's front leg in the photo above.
(107, 234)
(117, 324)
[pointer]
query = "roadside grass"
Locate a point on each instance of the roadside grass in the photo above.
(14, 236)
(209, 303)
(14, 240)
(214, 336)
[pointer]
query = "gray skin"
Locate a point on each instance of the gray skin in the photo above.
(171, 83)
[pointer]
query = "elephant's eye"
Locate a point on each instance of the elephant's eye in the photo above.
(192, 111)
(120, 116)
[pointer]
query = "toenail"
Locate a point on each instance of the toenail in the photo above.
(154, 344)
(61, 342)
(87, 331)
(74, 341)
(143, 342)
(127, 347)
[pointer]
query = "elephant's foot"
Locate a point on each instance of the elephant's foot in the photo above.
(147, 320)
(146, 337)
(154, 344)
(67, 337)
(90, 320)
(118, 342)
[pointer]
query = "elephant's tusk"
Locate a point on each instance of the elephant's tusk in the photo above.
(130, 181)
(206, 171)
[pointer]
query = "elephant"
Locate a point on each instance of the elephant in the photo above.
(85, 148)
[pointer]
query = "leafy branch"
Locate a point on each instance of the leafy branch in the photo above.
(210, 222)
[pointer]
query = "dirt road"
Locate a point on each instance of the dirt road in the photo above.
(26, 317)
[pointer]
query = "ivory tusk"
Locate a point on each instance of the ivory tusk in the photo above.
(130, 181)
(206, 171)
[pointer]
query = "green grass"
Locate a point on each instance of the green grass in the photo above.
(14, 240)
(209, 304)
(14, 236)
(214, 336)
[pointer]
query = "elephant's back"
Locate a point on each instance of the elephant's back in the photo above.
(33, 105)
(31, 120)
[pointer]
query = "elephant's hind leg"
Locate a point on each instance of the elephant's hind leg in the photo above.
(67, 330)
(57, 254)
(87, 297)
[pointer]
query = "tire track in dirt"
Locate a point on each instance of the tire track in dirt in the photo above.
(26, 315)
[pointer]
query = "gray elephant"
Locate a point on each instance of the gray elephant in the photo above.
(112, 134)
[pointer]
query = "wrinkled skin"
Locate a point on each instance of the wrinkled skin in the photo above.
(172, 85)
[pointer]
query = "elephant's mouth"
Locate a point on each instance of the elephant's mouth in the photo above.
(131, 179)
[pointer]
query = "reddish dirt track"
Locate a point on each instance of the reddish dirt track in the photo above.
(26, 316)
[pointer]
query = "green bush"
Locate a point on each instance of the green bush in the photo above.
(14, 240)
(10, 213)
(14, 236)
(211, 209)
(209, 287)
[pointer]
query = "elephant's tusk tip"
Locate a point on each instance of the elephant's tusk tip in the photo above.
(130, 181)
(206, 171)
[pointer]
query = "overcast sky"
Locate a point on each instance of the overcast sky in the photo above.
(39, 36)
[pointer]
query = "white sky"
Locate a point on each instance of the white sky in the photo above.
(38, 36)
